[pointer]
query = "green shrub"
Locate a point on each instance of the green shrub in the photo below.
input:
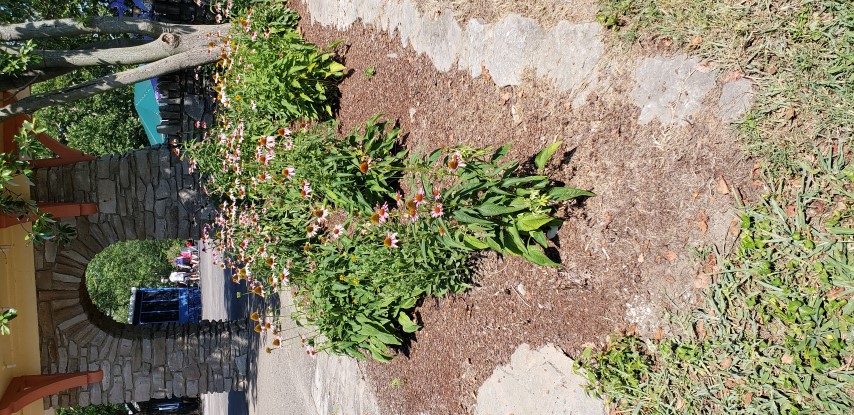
(113, 271)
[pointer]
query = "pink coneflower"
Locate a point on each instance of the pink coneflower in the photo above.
(383, 212)
(390, 240)
(311, 231)
(320, 214)
(289, 145)
(437, 211)
(288, 172)
(267, 141)
(419, 197)
(337, 231)
(399, 198)
(456, 161)
(306, 190)
(436, 194)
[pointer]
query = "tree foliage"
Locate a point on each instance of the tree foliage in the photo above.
(112, 273)
(104, 124)
(106, 409)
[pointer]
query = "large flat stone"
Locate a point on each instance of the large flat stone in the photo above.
(670, 89)
(440, 39)
(569, 53)
(536, 382)
(514, 41)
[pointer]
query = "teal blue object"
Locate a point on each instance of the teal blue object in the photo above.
(145, 102)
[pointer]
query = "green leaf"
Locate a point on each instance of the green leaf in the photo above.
(378, 354)
(543, 156)
(566, 193)
(473, 242)
(521, 180)
(840, 231)
(336, 68)
(500, 153)
(379, 332)
(514, 243)
(536, 255)
(491, 209)
(407, 324)
(540, 237)
(434, 156)
(495, 246)
(463, 217)
(529, 223)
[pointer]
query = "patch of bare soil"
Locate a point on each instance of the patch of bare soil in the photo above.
(626, 252)
(547, 12)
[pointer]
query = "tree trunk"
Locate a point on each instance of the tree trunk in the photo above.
(163, 46)
(177, 47)
(103, 25)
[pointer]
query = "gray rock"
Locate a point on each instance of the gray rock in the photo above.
(670, 89)
(736, 97)
(368, 10)
(475, 46)
(408, 26)
(346, 15)
(440, 39)
(536, 382)
(106, 196)
(569, 53)
(514, 40)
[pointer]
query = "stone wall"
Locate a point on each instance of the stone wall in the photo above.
(146, 194)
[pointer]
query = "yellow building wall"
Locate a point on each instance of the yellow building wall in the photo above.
(19, 351)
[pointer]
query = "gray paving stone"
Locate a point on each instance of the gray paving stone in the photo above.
(569, 53)
(670, 89)
(736, 97)
(514, 40)
(440, 39)
(536, 382)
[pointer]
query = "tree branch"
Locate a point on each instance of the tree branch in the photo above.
(165, 45)
(45, 29)
(189, 59)
(23, 80)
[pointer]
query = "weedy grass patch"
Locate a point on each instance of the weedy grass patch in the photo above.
(358, 229)
(774, 335)
(797, 52)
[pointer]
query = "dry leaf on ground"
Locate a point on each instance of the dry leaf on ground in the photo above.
(722, 186)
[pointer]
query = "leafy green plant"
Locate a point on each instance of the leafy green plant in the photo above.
(774, 333)
(360, 229)
(5, 317)
(271, 73)
(370, 71)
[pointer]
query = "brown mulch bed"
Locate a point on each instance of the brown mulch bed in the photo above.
(625, 252)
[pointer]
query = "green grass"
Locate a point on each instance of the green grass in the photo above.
(774, 333)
